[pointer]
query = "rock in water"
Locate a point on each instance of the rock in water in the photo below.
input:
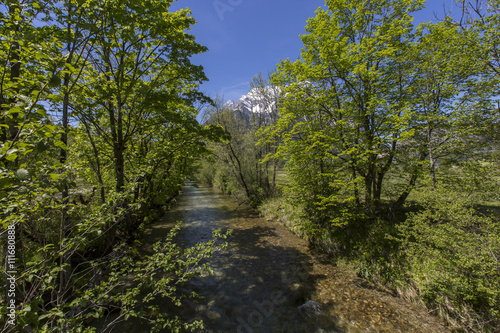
(310, 308)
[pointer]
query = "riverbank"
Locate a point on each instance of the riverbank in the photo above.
(433, 266)
(269, 281)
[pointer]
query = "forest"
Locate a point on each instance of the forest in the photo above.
(379, 145)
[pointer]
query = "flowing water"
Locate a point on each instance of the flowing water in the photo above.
(268, 281)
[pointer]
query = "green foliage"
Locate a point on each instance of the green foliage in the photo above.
(79, 195)
(120, 283)
(453, 254)
(443, 250)
(375, 114)
(369, 107)
(343, 119)
(235, 165)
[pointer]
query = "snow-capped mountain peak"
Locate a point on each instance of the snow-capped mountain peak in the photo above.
(256, 101)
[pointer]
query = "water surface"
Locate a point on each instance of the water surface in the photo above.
(268, 281)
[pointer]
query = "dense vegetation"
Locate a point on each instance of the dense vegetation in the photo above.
(239, 165)
(388, 134)
(380, 145)
(98, 131)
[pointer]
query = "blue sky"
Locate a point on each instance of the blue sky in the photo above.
(246, 37)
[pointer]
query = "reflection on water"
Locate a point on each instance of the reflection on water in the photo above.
(267, 281)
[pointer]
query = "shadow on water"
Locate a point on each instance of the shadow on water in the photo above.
(261, 283)
(267, 280)
(257, 287)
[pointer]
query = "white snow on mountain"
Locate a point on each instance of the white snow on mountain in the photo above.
(256, 101)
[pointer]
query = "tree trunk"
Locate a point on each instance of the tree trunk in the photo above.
(240, 172)
(432, 167)
(402, 198)
(413, 179)
(274, 175)
(119, 151)
(119, 166)
(432, 161)
(65, 218)
(15, 71)
(356, 190)
(116, 127)
(10, 133)
(97, 162)
(378, 187)
(118, 146)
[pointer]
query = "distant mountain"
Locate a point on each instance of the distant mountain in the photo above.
(255, 103)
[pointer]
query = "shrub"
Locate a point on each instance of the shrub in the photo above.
(453, 253)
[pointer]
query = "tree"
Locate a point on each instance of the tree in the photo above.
(134, 91)
(345, 110)
(267, 99)
(26, 53)
(436, 80)
(235, 155)
(133, 63)
(479, 33)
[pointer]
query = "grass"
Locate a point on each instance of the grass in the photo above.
(444, 278)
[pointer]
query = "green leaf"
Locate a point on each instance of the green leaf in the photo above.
(71, 68)
(11, 157)
(61, 145)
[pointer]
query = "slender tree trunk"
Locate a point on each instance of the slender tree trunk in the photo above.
(267, 183)
(119, 152)
(118, 146)
(65, 218)
(97, 162)
(433, 169)
(378, 187)
(119, 166)
(384, 169)
(9, 133)
(411, 184)
(370, 172)
(356, 190)
(240, 171)
(274, 175)
(15, 71)
(116, 127)
(432, 161)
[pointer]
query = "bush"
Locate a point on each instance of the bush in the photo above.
(442, 250)
(103, 275)
(206, 173)
(452, 253)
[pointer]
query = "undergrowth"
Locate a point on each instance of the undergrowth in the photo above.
(441, 251)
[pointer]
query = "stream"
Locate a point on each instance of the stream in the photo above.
(268, 280)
